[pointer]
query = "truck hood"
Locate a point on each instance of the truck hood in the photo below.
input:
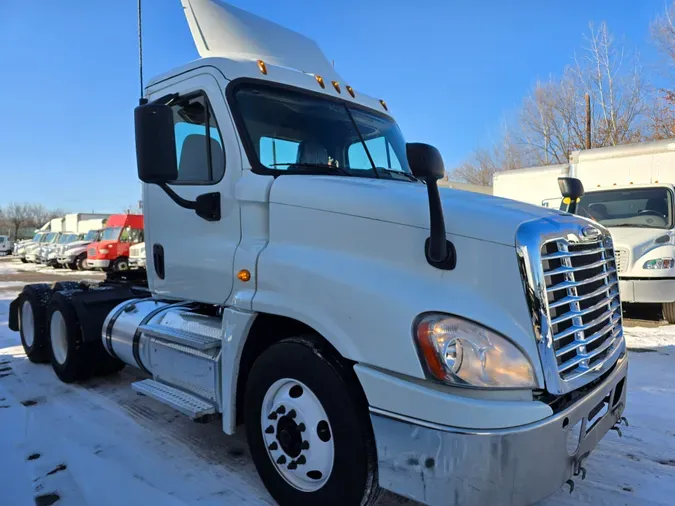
(466, 213)
(76, 244)
(638, 240)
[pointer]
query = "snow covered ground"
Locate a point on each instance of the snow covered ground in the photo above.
(100, 444)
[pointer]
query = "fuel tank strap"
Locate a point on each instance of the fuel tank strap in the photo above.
(137, 335)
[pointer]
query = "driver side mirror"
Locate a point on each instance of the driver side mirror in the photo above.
(572, 189)
(155, 143)
(426, 164)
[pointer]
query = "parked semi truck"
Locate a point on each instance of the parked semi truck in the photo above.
(111, 252)
(629, 190)
(74, 255)
(308, 280)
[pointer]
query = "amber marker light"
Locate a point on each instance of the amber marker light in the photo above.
(244, 275)
(262, 67)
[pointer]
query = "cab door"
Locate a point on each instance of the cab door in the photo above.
(190, 257)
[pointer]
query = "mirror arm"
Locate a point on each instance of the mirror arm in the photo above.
(206, 206)
(439, 251)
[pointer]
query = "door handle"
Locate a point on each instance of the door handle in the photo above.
(158, 260)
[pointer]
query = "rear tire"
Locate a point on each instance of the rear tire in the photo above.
(324, 387)
(72, 358)
(67, 348)
(24, 261)
(669, 311)
(32, 317)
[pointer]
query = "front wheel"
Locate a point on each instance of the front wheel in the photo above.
(669, 311)
(81, 262)
(120, 265)
(308, 427)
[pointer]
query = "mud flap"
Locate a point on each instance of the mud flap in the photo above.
(14, 314)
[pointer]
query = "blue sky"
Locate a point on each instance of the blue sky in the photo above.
(450, 71)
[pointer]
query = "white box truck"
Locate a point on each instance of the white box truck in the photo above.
(81, 223)
(308, 279)
(629, 190)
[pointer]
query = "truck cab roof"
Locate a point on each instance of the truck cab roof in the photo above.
(242, 45)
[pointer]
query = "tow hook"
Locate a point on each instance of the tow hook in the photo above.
(579, 468)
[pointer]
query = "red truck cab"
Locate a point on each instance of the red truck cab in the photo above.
(111, 252)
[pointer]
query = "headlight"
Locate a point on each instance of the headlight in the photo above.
(463, 353)
(103, 251)
(659, 263)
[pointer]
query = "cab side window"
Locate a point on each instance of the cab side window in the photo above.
(125, 235)
(199, 146)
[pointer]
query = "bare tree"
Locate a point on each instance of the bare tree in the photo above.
(483, 163)
(39, 214)
(662, 113)
(17, 215)
(552, 119)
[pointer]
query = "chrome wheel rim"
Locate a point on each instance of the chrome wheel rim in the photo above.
(27, 323)
(59, 337)
(297, 435)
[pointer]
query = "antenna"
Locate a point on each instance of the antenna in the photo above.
(141, 100)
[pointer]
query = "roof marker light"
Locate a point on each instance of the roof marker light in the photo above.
(336, 85)
(384, 105)
(262, 67)
(319, 80)
(351, 91)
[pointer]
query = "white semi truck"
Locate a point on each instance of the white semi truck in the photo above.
(308, 280)
(629, 190)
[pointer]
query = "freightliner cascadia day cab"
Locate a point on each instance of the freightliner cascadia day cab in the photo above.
(111, 252)
(308, 280)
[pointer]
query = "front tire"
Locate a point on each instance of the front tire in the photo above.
(308, 427)
(669, 311)
(81, 262)
(120, 265)
(24, 261)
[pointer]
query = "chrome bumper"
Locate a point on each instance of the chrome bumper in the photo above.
(97, 263)
(66, 260)
(439, 465)
(136, 262)
(647, 290)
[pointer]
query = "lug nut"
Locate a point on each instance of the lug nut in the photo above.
(292, 413)
(301, 460)
(304, 445)
(281, 410)
(269, 430)
(281, 460)
(273, 446)
(302, 427)
(292, 466)
(273, 416)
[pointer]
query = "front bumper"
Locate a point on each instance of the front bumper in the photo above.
(30, 257)
(137, 262)
(97, 264)
(64, 260)
(647, 290)
(440, 465)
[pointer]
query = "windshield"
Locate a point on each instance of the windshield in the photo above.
(91, 235)
(49, 237)
(66, 238)
(639, 207)
(111, 233)
(37, 237)
(295, 132)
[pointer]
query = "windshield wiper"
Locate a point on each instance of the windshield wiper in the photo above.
(629, 225)
(332, 168)
(410, 177)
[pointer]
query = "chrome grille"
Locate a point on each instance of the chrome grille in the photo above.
(92, 252)
(584, 310)
(621, 259)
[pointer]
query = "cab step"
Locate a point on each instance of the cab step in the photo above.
(188, 404)
(179, 336)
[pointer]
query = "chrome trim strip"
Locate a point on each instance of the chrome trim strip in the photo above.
(574, 284)
(578, 328)
(593, 337)
(530, 237)
(572, 314)
(564, 270)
